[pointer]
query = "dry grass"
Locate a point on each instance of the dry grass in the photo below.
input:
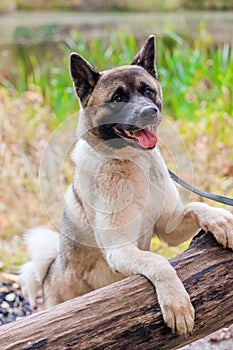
(209, 143)
(22, 141)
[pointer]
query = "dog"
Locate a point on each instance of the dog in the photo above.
(121, 195)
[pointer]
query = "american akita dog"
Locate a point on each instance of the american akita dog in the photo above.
(121, 195)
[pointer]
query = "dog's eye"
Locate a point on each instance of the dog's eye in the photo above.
(148, 92)
(117, 98)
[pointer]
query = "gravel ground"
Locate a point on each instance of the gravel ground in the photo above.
(13, 305)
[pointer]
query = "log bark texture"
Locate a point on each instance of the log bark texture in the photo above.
(126, 315)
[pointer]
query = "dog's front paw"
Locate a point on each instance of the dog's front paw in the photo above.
(220, 223)
(178, 312)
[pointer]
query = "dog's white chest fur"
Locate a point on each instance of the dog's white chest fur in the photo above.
(125, 190)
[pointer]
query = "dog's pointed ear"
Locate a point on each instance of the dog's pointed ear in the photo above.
(84, 76)
(146, 56)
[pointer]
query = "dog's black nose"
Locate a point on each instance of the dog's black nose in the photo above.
(148, 113)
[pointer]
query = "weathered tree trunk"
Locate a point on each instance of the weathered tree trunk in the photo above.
(126, 315)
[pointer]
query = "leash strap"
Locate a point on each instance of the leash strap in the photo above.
(214, 197)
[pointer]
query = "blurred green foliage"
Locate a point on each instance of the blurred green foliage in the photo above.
(197, 76)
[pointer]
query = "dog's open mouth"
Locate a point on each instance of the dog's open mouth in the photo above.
(146, 138)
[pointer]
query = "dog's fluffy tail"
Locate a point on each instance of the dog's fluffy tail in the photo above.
(43, 246)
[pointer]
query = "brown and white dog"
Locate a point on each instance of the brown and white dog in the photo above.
(121, 195)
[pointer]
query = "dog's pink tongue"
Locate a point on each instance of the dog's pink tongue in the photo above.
(146, 139)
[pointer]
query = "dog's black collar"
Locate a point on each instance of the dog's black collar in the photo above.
(214, 197)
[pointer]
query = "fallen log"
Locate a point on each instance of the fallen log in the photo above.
(126, 315)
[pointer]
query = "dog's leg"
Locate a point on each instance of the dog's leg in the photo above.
(127, 258)
(185, 221)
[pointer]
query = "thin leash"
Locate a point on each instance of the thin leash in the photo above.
(214, 197)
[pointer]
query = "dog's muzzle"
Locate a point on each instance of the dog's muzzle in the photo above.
(141, 129)
(148, 115)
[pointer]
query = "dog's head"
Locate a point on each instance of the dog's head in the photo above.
(121, 105)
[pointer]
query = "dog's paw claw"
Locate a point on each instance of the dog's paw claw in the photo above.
(179, 316)
(220, 223)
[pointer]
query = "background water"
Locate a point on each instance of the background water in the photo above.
(37, 31)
